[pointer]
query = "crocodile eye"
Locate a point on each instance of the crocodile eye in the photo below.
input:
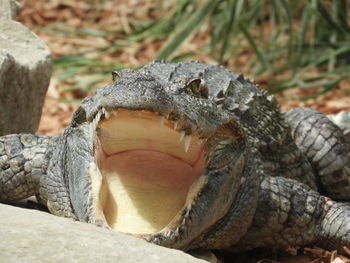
(198, 87)
(115, 76)
(121, 73)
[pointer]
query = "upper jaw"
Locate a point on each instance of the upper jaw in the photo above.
(194, 123)
(190, 113)
(133, 130)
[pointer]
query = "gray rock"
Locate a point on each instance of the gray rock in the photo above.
(35, 236)
(25, 71)
(8, 9)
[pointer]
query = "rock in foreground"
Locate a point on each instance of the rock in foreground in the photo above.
(34, 236)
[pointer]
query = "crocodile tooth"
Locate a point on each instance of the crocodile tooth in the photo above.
(161, 120)
(98, 116)
(182, 135)
(187, 141)
(187, 212)
(103, 110)
(107, 115)
(139, 113)
(175, 124)
(115, 112)
(96, 119)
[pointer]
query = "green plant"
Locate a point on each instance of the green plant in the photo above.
(296, 43)
(286, 37)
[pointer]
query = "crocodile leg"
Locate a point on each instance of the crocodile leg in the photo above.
(326, 147)
(291, 214)
(24, 159)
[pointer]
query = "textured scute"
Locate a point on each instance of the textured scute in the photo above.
(25, 71)
(24, 159)
(259, 173)
(217, 78)
(326, 147)
(268, 175)
(33, 236)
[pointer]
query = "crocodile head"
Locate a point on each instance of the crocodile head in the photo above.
(160, 153)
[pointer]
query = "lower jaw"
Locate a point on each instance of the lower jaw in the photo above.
(144, 190)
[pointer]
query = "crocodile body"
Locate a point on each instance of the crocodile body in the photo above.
(254, 177)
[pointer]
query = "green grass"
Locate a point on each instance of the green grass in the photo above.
(288, 40)
(301, 36)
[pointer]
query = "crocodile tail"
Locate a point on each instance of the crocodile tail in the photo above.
(24, 159)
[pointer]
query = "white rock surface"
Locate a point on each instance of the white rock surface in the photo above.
(34, 236)
(8, 9)
(25, 71)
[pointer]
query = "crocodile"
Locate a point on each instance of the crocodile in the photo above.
(190, 156)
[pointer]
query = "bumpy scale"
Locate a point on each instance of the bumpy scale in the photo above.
(189, 155)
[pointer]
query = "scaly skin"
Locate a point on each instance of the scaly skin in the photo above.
(264, 171)
(24, 159)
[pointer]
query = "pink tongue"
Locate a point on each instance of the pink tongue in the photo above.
(149, 169)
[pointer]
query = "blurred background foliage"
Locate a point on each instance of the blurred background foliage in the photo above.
(281, 43)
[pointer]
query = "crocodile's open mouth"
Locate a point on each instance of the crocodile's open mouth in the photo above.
(150, 167)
